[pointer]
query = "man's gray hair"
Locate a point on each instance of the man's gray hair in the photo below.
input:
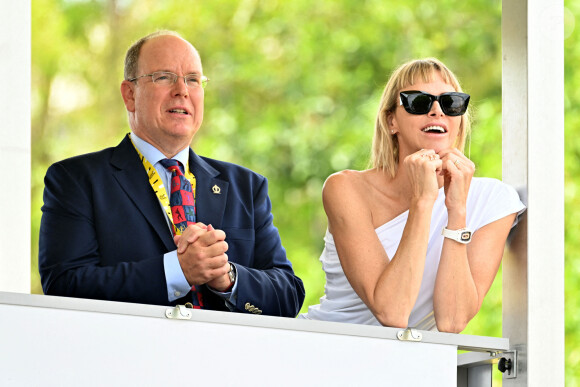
(132, 57)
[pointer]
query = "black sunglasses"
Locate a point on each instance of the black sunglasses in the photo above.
(419, 102)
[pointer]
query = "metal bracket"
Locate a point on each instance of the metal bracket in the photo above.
(179, 312)
(409, 334)
(508, 364)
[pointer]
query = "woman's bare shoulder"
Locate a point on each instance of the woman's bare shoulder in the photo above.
(347, 184)
(348, 176)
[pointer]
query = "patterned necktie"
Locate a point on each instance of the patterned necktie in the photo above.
(182, 205)
(181, 197)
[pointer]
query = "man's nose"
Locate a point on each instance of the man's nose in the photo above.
(180, 87)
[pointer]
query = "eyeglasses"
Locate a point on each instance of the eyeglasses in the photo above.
(165, 78)
(419, 102)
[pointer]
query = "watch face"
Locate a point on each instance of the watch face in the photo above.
(465, 236)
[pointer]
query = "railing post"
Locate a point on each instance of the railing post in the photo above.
(15, 146)
(533, 162)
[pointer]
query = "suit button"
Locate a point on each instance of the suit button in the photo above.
(252, 309)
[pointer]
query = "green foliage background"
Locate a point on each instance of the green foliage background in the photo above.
(294, 90)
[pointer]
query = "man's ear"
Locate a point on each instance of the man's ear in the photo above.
(128, 94)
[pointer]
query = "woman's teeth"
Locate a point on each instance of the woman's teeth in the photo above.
(434, 128)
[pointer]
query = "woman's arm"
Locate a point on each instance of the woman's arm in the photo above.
(388, 288)
(466, 273)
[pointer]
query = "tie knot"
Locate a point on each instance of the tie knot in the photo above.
(173, 166)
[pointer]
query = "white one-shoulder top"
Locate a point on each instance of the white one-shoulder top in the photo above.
(488, 200)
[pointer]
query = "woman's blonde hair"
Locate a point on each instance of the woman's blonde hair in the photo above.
(385, 149)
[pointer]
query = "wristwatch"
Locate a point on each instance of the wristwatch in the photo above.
(462, 235)
(232, 274)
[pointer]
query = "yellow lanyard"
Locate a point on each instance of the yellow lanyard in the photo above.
(159, 189)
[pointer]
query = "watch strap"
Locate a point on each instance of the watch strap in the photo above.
(232, 274)
(463, 235)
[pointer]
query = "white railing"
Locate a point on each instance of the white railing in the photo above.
(58, 341)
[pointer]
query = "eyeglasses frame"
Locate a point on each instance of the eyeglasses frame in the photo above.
(203, 79)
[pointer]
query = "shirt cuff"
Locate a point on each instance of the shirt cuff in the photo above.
(177, 285)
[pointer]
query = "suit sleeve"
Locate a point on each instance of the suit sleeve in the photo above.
(268, 284)
(85, 246)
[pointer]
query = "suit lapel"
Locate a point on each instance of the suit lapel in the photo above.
(131, 176)
(210, 193)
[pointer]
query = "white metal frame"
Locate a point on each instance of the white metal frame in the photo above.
(533, 162)
(114, 343)
(15, 146)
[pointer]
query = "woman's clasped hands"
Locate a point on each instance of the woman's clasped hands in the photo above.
(429, 170)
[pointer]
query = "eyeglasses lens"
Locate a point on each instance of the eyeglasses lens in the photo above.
(420, 103)
(168, 79)
(452, 105)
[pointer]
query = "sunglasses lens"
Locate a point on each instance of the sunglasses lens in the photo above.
(419, 103)
(454, 104)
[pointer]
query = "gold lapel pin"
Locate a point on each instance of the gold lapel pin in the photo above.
(216, 190)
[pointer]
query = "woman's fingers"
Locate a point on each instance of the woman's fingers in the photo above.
(453, 159)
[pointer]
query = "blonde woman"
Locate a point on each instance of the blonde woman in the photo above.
(415, 241)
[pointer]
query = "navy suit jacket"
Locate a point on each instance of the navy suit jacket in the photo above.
(103, 233)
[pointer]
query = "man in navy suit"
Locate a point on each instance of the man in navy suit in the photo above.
(106, 231)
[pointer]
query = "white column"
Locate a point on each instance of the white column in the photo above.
(15, 146)
(533, 162)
